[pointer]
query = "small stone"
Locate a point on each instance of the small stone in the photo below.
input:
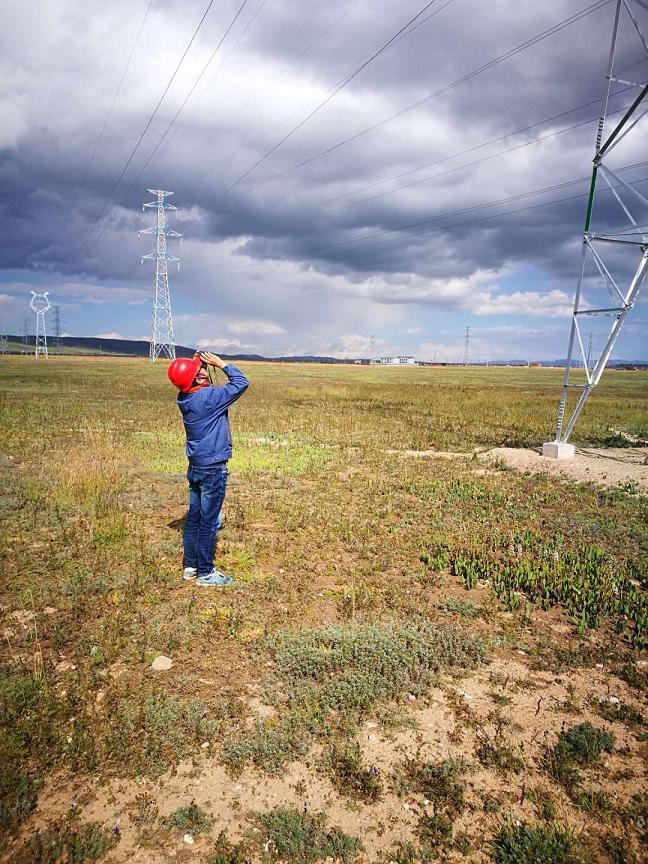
(599, 665)
(162, 664)
(62, 667)
(188, 839)
(520, 651)
(204, 745)
(411, 697)
(426, 802)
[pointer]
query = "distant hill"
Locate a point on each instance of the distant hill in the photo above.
(90, 345)
(139, 348)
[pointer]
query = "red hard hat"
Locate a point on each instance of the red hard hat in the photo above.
(182, 372)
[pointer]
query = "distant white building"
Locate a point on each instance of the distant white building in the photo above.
(398, 361)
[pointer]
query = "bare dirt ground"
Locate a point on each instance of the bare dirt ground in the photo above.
(449, 721)
(610, 466)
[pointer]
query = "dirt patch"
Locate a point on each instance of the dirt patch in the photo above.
(610, 466)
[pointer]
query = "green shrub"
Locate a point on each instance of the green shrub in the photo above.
(150, 737)
(439, 782)
(583, 744)
(496, 752)
(302, 837)
(465, 608)
(191, 819)
(349, 775)
(579, 745)
(534, 844)
(435, 832)
(587, 581)
(70, 844)
(227, 853)
(338, 674)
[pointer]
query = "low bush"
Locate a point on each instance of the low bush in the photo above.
(303, 837)
(191, 819)
(336, 675)
(535, 844)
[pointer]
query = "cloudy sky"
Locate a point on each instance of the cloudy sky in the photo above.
(441, 187)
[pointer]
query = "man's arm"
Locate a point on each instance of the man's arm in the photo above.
(223, 397)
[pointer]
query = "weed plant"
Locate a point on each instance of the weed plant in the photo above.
(577, 746)
(70, 843)
(587, 581)
(303, 837)
(344, 765)
(191, 819)
(336, 675)
(535, 844)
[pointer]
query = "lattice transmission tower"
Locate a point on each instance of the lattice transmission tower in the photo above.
(466, 346)
(162, 340)
(615, 257)
(57, 328)
(40, 304)
(25, 337)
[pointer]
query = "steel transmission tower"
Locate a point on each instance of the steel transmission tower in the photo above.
(25, 337)
(162, 341)
(4, 344)
(466, 346)
(624, 247)
(40, 304)
(57, 327)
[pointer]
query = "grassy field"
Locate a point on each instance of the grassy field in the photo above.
(420, 658)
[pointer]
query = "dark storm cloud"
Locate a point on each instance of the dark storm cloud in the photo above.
(61, 63)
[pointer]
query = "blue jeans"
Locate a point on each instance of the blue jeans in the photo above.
(206, 495)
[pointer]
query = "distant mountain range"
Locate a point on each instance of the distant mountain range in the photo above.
(134, 348)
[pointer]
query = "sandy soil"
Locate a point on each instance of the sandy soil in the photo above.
(447, 721)
(607, 466)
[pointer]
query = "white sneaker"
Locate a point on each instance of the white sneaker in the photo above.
(189, 573)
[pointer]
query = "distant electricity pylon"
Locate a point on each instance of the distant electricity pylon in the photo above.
(57, 327)
(40, 304)
(162, 341)
(25, 337)
(466, 346)
(624, 241)
(4, 344)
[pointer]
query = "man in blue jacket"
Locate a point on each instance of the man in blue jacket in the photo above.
(209, 446)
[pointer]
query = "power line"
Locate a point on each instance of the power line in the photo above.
(186, 99)
(112, 105)
(472, 149)
(361, 245)
(239, 38)
(328, 98)
(588, 10)
(148, 123)
(347, 71)
(511, 149)
(518, 196)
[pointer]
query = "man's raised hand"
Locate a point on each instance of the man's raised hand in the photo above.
(212, 359)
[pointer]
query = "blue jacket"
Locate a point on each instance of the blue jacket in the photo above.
(204, 413)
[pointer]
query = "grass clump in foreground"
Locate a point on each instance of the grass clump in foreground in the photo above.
(303, 837)
(535, 844)
(579, 745)
(150, 737)
(349, 775)
(331, 677)
(191, 819)
(586, 581)
(68, 844)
